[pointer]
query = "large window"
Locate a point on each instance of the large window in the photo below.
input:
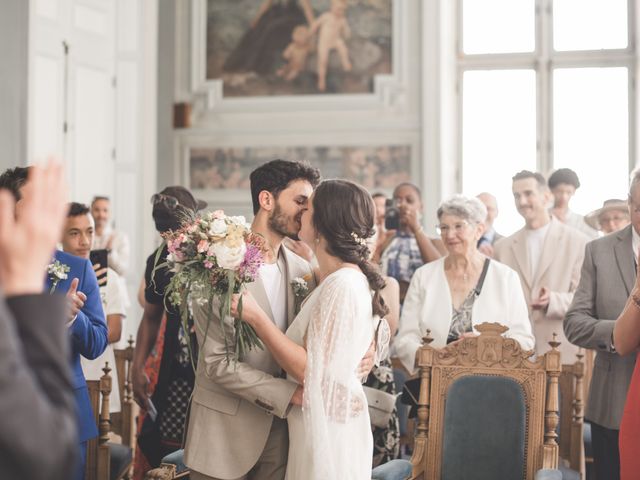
(545, 84)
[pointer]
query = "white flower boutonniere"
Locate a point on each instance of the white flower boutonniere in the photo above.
(57, 271)
(300, 289)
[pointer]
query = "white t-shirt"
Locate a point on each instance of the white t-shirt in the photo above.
(114, 302)
(274, 286)
(535, 242)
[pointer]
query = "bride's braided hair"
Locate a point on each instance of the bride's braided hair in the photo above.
(344, 213)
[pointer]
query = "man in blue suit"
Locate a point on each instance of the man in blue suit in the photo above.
(86, 324)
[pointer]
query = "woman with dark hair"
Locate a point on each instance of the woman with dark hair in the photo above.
(331, 436)
(162, 373)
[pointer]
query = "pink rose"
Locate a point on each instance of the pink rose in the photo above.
(203, 246)
(218, 214)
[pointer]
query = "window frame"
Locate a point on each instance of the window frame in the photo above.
(543, 61)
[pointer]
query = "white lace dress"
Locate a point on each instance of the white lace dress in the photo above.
(330, 437)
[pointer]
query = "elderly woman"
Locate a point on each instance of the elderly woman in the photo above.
(451, 295)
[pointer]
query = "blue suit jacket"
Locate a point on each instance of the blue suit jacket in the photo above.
(88, 334)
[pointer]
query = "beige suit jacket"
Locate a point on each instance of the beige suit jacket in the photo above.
(558, 271)
(232, 407)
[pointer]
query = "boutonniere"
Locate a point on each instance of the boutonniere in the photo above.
(300, 287)
(57, 271)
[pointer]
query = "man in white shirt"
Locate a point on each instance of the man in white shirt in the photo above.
(77, 239)
(116, 243)
(547, 256)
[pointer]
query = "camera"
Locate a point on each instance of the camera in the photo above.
(391, 215)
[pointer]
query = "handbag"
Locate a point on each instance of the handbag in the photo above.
(381, 405)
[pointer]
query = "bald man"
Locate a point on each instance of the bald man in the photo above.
(490, 236)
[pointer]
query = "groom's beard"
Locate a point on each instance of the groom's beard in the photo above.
(278, 222)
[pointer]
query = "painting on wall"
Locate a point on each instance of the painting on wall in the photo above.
(298, 47)
(374, 167)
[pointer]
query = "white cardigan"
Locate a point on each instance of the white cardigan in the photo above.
(428, 306)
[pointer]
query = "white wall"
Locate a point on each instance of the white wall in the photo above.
(92, 100)
(14, 42)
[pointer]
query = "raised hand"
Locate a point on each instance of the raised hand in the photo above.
(75, 299)
(30, 229)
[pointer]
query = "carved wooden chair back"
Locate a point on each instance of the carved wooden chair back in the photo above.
(496, 361)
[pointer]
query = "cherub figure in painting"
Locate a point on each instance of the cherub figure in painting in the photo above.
(333, 29)
(296, 53)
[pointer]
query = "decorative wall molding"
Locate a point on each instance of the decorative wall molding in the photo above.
(390, 91)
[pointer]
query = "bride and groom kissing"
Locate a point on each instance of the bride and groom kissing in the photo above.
(254, 419)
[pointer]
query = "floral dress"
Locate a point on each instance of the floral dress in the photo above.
(386, 441)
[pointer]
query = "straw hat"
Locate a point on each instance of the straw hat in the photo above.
(607, 206)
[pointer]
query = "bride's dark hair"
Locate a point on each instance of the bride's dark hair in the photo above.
(344, 213)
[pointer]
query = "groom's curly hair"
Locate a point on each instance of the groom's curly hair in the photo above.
(276, 175)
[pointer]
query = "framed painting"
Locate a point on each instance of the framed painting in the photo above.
(298, 47)
(225, 170)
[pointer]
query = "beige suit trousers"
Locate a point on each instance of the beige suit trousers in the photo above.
(272, 464)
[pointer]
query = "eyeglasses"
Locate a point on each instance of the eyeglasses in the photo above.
(458, 228)
(166, 200)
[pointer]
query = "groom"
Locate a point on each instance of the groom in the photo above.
(237, 427)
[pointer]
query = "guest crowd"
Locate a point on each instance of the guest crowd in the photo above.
(63, 311)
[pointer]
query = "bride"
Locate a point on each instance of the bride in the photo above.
(330, 436)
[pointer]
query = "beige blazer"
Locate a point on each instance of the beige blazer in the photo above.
(232, 407)
(559, 271)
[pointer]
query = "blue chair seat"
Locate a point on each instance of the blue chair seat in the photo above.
(176, 458)
(120, 457)
(393, 470)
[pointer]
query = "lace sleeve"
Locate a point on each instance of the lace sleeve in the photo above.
(336, 342)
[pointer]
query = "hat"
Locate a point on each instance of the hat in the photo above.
(612, 204)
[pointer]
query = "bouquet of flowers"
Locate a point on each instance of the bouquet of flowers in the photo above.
(212, 256)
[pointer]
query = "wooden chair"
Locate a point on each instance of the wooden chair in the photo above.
(105, 460)
(571, 427)
(485, 409)
(123, 422)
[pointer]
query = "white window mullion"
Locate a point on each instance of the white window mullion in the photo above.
(544, 44)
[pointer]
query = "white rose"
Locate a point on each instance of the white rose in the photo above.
(218, 228)
(229, 258)
(240, 220)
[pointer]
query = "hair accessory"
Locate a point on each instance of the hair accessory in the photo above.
(358, 239)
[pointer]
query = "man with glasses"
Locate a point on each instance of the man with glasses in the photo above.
(547, 256)
(607, 278)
